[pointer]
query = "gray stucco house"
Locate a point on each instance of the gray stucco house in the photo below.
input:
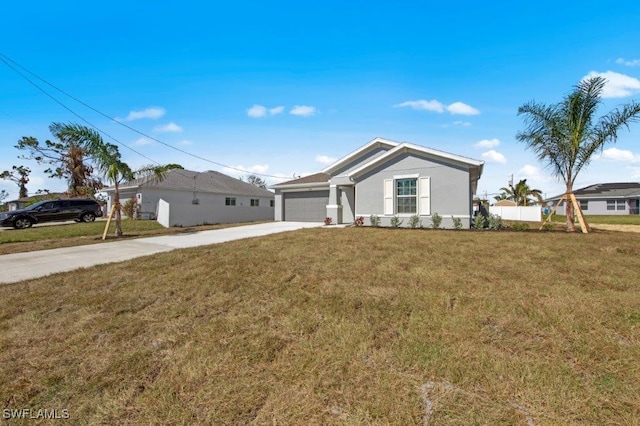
(384, 178)
(605, 199)
(187, 198)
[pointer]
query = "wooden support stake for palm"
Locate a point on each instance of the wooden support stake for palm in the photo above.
(553, 211)
(111, 213)
(578, 211)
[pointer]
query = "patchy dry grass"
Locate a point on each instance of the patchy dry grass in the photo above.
(337, 326)
(76, 234)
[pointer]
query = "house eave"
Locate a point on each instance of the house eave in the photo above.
(300, 185)
(349, 157)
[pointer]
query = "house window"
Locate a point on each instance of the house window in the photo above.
(229, 201)
(255, 202)
(584, 205)
(616, 205)
(406, 196)
(272, 203)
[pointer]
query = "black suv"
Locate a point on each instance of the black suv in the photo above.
(78, 209)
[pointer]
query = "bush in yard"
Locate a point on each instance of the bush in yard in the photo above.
(494, 222)
(457, 222)
(415, 221)
(518, 226)
(548, 226)
(396, 221)
(436, 221)
(375, 220)
(479, 222)
(327, 220)
(359, 221)
(131, 207)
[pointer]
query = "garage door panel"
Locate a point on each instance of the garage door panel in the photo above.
(309, 206)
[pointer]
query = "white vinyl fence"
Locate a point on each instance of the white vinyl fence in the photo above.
(526, 214)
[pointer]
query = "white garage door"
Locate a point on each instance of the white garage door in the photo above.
(308, 206)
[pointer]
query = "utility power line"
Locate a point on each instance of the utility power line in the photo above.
(13, 65)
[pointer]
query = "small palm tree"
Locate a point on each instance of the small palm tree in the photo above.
(566, 135)
(108, 162)
(521, 194)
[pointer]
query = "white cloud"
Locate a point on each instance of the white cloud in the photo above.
(153, 113)
(462, 109)
(487, 143)
(436, 106)
(143, 141)
(616, 154)
(629, 62)
(530, 172)
(325, 159)
(241, 170)
(168, 128)
(461, 123)
(185, 142)
(618, 85)
(259, 111)
(303, 110)
(276, 110)
(433, 105)
(494, 156)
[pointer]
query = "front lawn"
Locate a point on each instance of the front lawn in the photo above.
(327, 326)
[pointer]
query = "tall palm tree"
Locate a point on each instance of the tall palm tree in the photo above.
(521, 193)
(566, 135)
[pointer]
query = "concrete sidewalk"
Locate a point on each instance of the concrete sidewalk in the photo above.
(24, 266)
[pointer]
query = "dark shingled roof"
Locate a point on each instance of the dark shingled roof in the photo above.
(599, 190)
(315, 178)
(209, 181)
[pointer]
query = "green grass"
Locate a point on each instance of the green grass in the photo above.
(73, 230)
(337, 326)
(75, 234)
(604, 219)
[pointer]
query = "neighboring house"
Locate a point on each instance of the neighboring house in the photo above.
(23, 202)
(505, 203)
(194, 198)
(604, 199)
(386, 179)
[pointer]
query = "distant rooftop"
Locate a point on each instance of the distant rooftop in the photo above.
(613, 190)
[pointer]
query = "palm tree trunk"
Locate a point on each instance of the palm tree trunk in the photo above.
(568, 210)
(116, 203)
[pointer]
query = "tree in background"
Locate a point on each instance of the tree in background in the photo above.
(257, 181)
(108, 162)
(68, 158)
(566, 135)
(20, 176)
(521, 193)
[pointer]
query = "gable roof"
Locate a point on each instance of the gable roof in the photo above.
(608, 190)
(188, 180)
(373, 144)
(409, 147)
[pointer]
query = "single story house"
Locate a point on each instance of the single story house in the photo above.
(604, 199)
(188, 198)
(386, 179)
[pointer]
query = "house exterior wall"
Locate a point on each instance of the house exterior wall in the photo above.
(599, 207)
(450, 190)
(210, 209)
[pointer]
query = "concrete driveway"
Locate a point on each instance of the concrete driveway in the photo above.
(24, 266)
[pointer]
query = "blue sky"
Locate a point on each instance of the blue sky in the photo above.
(285, 87)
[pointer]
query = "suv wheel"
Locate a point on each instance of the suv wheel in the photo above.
(22, 223)
(88, 217)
